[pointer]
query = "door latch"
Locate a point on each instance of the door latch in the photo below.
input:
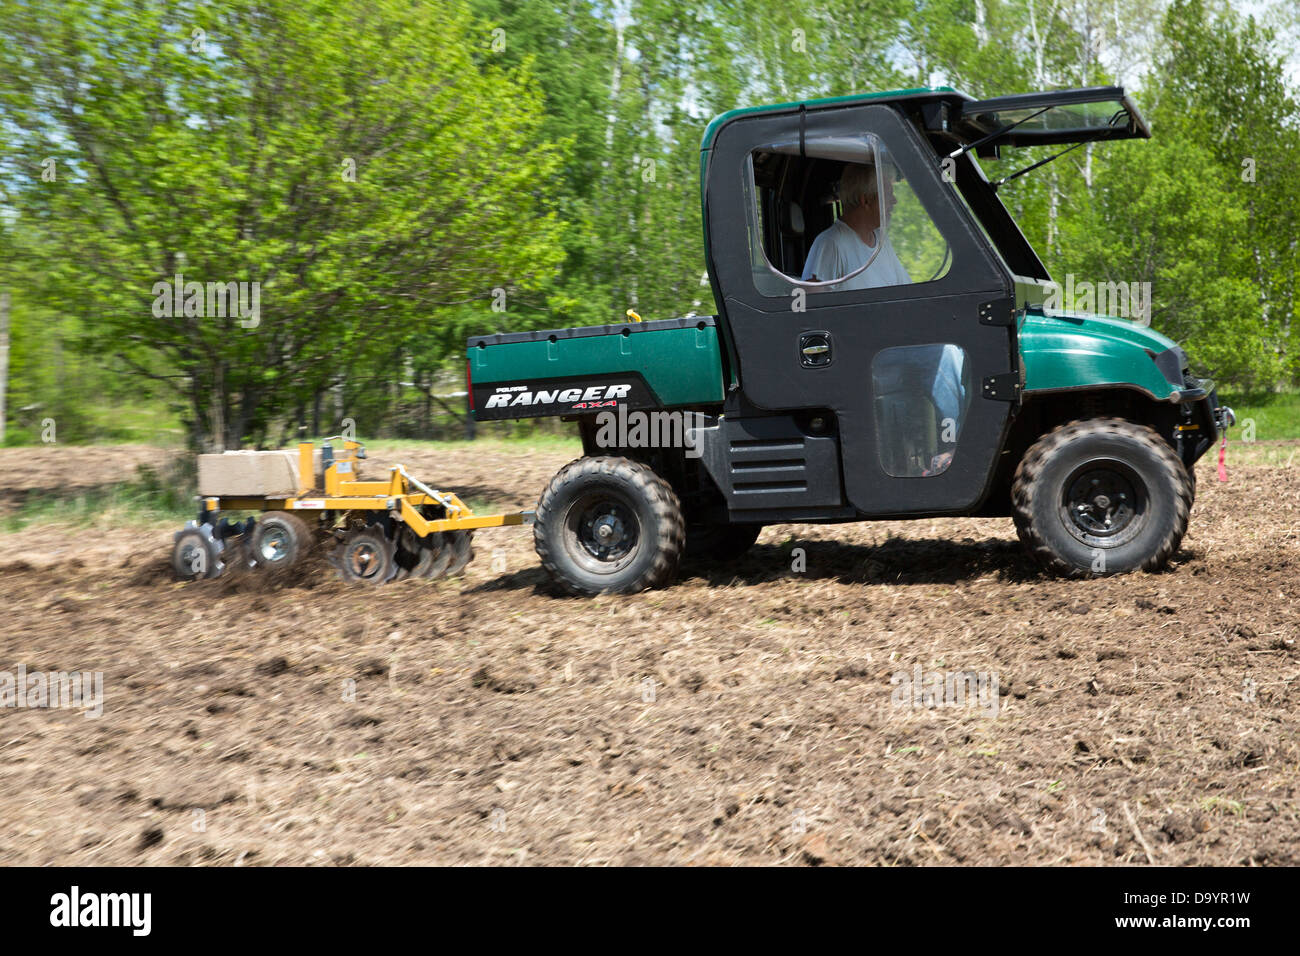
(815, 349)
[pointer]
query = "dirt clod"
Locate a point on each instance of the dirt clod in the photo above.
(272, 666)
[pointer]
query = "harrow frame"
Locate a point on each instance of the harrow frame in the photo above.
(335, 492)
(401, 495)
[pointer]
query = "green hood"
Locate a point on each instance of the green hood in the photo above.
(1063, 350)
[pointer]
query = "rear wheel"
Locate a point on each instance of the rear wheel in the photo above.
(609, 525)
(1102, 496)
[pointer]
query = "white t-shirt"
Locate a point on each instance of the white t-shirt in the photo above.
(839, 250)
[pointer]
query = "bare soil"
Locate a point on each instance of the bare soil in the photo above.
(744, 716)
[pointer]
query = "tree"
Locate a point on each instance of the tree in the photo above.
(1224, 86)
(356, 168)
(1161, 212)
(4, 360)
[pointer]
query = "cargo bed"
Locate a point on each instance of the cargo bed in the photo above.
(641, 365)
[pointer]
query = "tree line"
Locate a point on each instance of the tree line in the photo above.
(390, 177)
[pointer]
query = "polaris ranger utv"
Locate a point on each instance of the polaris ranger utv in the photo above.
(932, 379)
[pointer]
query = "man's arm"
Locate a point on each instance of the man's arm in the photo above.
(823, 259)
(812, 265)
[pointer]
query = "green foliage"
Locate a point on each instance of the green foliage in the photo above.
(1148, 193)
(359, 162)
(1225, 91)
(525, 164)
(68, 394)
(150, 497)
(1276, 417)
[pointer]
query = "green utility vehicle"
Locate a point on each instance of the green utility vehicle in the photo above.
(887, 344)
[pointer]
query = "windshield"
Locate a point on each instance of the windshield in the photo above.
(1084, 117)
(981, 200)
(1059, 116)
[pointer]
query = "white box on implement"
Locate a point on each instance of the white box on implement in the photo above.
(249, 473)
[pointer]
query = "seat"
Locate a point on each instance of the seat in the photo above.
(794, 247)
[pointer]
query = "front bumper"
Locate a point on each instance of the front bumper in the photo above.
(1204, 421)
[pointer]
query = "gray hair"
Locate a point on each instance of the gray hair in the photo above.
(856, 181)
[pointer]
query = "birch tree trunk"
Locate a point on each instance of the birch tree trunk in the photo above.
(4, 360)
(615, 84)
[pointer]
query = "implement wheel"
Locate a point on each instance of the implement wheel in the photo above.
(439, 543)
(609, 525)
(414, 557)
(196, 553)
(459, 543)
(366, 556)
(280, 540)
(1102, 496)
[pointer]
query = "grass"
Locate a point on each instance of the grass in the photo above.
(1275, 418)
(1266, 427)
(1269, 454)
(144, 424)
(108, 424)
(1263, 436)
(1220, 804)
(138, 424)
(154, 498)
(149, 499)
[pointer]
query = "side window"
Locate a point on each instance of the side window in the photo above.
(836, 215)
(921, 395)
(793, 195)
(921, 249)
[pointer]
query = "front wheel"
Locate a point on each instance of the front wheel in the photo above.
(1102, 496)
(609, 525)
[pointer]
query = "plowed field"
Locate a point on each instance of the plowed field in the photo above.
(752, 714)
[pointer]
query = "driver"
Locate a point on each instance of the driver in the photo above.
(857, 235)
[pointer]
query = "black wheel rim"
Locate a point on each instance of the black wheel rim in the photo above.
(1104, 503)
(601, 532)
